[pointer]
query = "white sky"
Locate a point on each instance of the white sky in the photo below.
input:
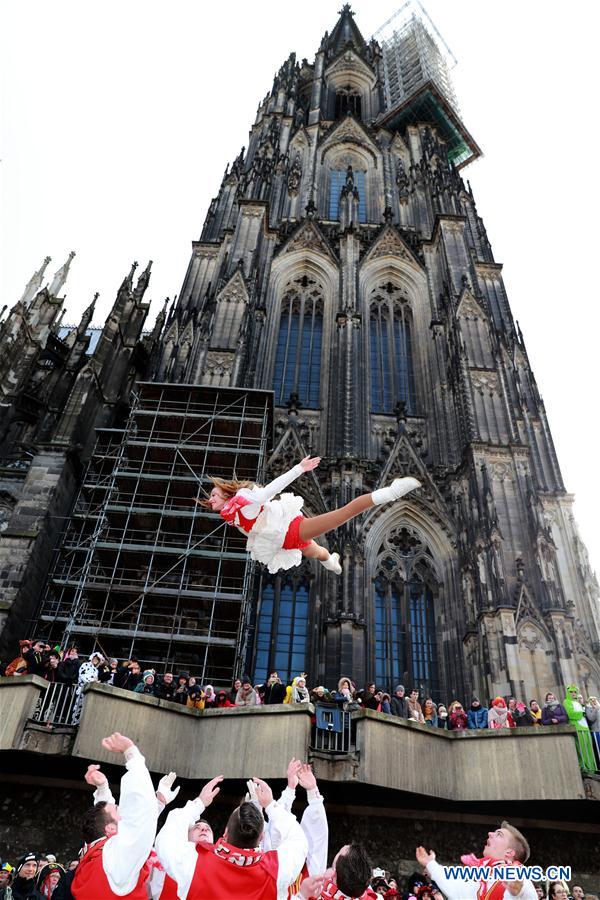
(118, 119)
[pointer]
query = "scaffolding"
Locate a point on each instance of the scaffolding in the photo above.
(416, 79)
(142, 570)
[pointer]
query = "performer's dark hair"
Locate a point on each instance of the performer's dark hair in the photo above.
(94, 822)
(353, 871)
(245, 826)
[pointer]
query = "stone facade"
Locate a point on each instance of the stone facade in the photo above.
(55, 389)
(479, 582)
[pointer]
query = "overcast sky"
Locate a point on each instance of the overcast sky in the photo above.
(118, 119)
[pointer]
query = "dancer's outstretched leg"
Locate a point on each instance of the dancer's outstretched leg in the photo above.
(318, 525)
(330, 561)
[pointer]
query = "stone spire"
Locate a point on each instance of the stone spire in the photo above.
(61, 276)
(86, 318)
(35, 283)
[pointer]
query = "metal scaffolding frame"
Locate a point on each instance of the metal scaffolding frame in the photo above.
(414, 52)
(142, 570)
(416, 80)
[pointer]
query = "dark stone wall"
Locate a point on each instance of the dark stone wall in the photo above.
(46, 819)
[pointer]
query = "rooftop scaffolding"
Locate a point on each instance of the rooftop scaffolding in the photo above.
(143, 570)
(417, 84)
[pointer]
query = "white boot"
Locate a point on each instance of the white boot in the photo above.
(332, 563)
(398, 488)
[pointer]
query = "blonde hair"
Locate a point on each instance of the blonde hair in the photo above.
(229, 488)
(519, 845)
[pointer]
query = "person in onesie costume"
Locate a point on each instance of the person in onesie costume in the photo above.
(576, 714)
(278, 534)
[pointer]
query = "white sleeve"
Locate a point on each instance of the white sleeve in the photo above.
(527, 892)
(455, 888)
(271, 836)
(314, 825)
(103, 794)
(292, 851)
(260, 495)
(288, 795)
(174, 851)
(125, 853)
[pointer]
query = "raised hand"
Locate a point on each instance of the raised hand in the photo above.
(513, 887)
(263, 792)
(251, 796)
(312, 886)
(306, 777)
(210, 790)
(94, 776)
(424, 856)
(164, 791)
(293, 768)
(117, 743)
(309, 463)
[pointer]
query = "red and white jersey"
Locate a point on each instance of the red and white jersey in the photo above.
(92, 881)
(119, 866)
(210, 870)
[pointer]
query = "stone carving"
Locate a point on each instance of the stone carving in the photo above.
(219, 363)
(390, 244)
(484, 382)
(469, 308)
(308, 238)
(294, 177)
(529, 637)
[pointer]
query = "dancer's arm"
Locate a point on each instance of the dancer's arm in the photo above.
(260, 495)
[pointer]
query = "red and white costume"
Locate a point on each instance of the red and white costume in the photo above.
(457, 889)
(119, 866)
(272, 525)
(221, 871)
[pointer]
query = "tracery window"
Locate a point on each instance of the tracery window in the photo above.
(405, 636)
(282, 628)
(347, 100)
(300, 343)
(392, 369)
(337, 182)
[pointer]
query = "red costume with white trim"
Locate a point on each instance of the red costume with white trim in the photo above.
(91, 880)
(272, 526)
(224, 871)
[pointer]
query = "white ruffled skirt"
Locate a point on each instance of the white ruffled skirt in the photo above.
(265, 541)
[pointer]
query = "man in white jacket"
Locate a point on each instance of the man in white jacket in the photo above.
(505, 846)
(235, 866)
(119, 839)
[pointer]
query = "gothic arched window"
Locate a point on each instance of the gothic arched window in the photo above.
(405, 638)
(348, 101)
(391, 356)
(337, 180)
(299, 344)
(281, 630)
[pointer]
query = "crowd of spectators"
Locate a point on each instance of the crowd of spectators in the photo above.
(66, 666)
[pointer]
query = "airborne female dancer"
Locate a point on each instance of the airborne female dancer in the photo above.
(278, 534)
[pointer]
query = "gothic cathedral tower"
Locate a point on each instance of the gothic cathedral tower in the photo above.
(344, 266)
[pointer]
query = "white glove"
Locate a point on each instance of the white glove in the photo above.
(164, 787)
(252, 796)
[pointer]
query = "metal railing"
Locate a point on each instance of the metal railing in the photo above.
(332, 731)
(58, 706)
